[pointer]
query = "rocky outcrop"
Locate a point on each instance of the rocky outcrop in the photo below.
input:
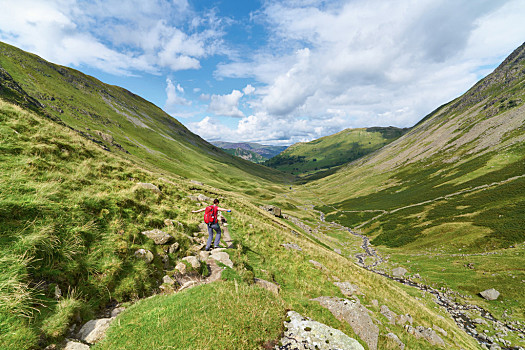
(302, 333)
(74, 345)
(145, 255)
(94, 330)
(193, 261)
(221, 256)
(356, 315)
(276, 211)
(272, 287)
(347, 288)
(396, 340)
(427, 333)
(292, 246)
(149, 186)
(158, 236)
(399, 272)
(390, 315)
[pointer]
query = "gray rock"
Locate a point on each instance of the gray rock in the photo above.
(347, 288)
(305, 334)
(356, 315)
(427, 333)
(197, 182)
(272, 287)
(73, 345)
(116, 311)
(375, 302)
(490, 294)
(158, 236)
(145, 255)
(204, 255)
(317, 264)
(173, 248)
(338, 251)
(417, 275)
(390, 315)
(94, 330)
(149, 186)
(222, 257)
(292, 246)
(404, 319)
(194, 262)
(396, 340)
(181, 267)
(168, 280)
(276, 211)
(442, 331)
(399, 272)
(203, 198)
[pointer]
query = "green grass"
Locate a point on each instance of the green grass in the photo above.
(223, 315)
(321, 155)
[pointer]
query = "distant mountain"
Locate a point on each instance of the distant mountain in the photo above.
(245, 154)
(327, 152)
(265, 151)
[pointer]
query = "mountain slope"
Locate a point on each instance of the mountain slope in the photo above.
(334, 150)
(119, 120)
(448, 194)
(263, 150)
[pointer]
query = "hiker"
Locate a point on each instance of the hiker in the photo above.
(211, 219)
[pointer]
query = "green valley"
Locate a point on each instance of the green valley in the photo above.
(92, 175)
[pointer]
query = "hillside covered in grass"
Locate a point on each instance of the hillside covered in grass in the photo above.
(122, 122)
(72, 215)
(324, 155)
(448, 196)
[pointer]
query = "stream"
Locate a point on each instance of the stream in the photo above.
(455, 309)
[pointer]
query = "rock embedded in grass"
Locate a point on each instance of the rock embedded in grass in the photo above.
(399, 272)
(149, 186)
(94, 330)
(490, 294)
(158, 236)
(304, 334)
(144, 254)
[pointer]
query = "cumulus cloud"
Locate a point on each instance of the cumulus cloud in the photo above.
(113, 36)
(374, 62)
(174, 99)
(248, 90)
(226, 105)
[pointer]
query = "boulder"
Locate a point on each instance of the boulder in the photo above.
(396, 339)
(305, 334)
(149, 186)
(94, 330)
(490, 294)
(173, 248)
(427, 333)
(390, 315)
(222, 257)
(74, 345)
(356, 315)
(203, 198)
(276, 211)
(204, 255)
(168, 280)
(197, 182)
(158, 236)
(291, 246)
(272, 287)
(194, 262)
(403, 319)
(347, 288)
(399, 272)
(116, 311)
(181, 267)
(145, 255)
(317, 264)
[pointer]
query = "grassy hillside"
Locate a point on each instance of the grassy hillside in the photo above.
(245, 154)
(452, 185)
(329, 152)
(72, 216)
(122, 122)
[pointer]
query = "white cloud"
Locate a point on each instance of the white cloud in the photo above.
(173, 100)
(113, 36)
(248, 90)
(226, 105)
(375, 62)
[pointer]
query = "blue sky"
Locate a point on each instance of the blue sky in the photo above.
(275, 72)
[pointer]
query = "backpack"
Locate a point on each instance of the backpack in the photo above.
(210, 214)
